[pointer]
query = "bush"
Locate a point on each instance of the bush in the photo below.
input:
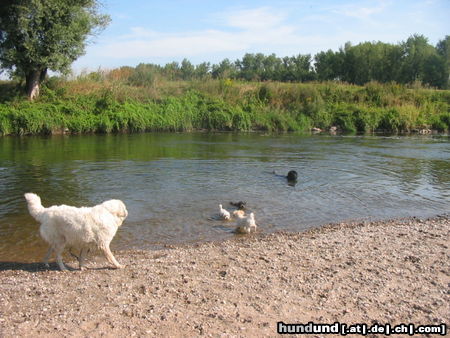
(6, 127)
(441, 122)
(366, 119)
(142, 76)
(84, 106)
(392, 121)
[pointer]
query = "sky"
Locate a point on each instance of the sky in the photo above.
(159, 32)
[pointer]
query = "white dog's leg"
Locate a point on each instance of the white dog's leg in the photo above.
(47, 256)
(81, 260)
(58, 251)
(110, 257)
(60, 262)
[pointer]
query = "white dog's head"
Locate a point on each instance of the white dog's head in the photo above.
(117, 208)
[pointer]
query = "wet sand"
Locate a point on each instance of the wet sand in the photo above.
(387, 272)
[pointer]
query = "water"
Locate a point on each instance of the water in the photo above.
(172, 183)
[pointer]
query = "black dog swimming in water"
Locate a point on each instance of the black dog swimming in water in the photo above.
(240, 205)
(291, 177)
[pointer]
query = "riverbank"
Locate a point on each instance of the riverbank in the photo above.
(108, 106)
(387, 272)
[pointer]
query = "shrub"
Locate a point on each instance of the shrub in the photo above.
(86, 105)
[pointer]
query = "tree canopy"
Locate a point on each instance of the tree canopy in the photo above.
(41, 35)
(406, 62)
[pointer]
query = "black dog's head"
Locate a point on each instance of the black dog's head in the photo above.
(292, 176)
(240, 205)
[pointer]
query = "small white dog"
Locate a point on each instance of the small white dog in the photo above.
(246, 224)
(63, 225)
(225, 214)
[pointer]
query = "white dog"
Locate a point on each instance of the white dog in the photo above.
(246, 224)
(225, 214)
(63, 225)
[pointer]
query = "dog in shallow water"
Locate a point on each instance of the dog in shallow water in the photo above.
(240, 205)
(291, 176)
(63, 225)
(239, 213)
(224, 214)
(246, 224)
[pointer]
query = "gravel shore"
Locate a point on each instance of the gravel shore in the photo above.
(386, 272)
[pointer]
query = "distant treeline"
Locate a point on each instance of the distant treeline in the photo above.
(414, 60)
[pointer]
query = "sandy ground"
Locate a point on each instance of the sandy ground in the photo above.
(386, 272)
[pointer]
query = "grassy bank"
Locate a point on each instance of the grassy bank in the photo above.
(104, 105)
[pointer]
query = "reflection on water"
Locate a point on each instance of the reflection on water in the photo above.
(172, 184)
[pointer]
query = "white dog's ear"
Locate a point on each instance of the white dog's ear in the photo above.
(117, 208)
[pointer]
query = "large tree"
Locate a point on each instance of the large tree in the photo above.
(328, 65)
(41, 35)
(443, 49)
(416, 51)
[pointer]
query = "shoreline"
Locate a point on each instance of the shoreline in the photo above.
(389, 272)
(420, 132)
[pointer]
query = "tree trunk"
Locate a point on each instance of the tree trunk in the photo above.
(32, 84)
(42, 75)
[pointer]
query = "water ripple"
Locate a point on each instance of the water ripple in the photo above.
(172, 183)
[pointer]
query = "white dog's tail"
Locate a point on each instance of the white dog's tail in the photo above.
(34, 205)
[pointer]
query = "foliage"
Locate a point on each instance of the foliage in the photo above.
(37, 35)
(85, 105)
(412, 62)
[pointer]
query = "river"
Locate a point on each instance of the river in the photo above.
(172, 183)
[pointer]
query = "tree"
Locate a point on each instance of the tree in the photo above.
(416, 51)
(187, 70)
(272, 68)
(301, 68)
(391, 63)
(41, 35)
(435, 71)
(327, 65)
(251, 67)
(172, 70)
(225, 69)
(443, 49)
(203, 70)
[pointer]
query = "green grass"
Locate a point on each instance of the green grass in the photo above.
(101, 105)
